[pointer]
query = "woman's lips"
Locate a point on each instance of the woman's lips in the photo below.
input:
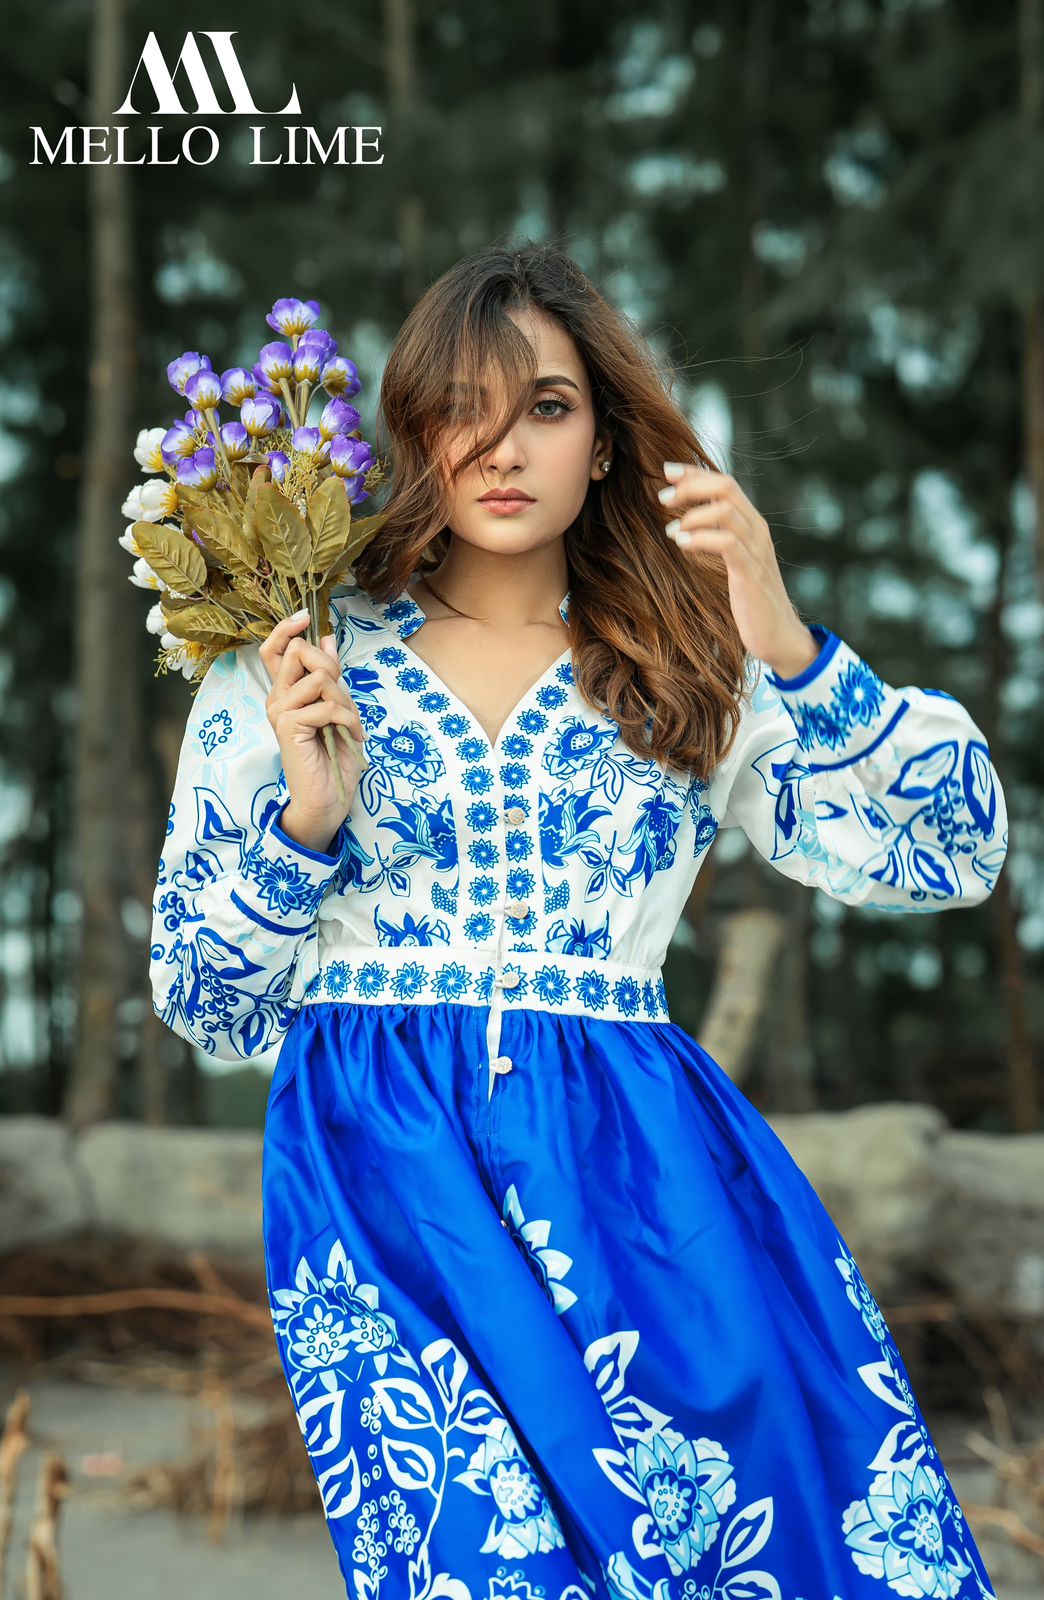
(506, 508)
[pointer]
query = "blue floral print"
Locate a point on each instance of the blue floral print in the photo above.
(909, 1528)
(558, 841)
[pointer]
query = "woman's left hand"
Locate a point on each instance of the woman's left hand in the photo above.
(723, 521)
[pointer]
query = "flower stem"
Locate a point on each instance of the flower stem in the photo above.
(353, 744)
(288, 397)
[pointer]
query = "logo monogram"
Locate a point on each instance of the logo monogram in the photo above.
(168, 102)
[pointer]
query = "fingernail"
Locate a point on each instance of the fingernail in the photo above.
(299, 616)
(672, 527)
(673, 469)
(667, 495)
(683, 538)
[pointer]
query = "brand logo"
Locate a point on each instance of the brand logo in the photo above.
(200, 144)
(168, 103)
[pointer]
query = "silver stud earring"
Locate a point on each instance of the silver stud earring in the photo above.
(606, 465)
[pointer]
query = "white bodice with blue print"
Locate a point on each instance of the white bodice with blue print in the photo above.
(550, 869)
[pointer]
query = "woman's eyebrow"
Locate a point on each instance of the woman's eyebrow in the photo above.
(540, 383)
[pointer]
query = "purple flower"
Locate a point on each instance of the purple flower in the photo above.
(308, 363)
(203, 389)
(293, 316)
(200, 470)
(338, 417)
(310, 442)
(181, 370)
(236, 440)
(279, 464)
(238, 384)
(319, 339)
(178, 441)
(276, 361)
(265, 384)
(341, 377)
(350, 458)
(195, 419)
(260, 416)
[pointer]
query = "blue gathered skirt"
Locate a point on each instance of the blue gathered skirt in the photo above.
(590, 1333)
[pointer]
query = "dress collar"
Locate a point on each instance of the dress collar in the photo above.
(405, 616)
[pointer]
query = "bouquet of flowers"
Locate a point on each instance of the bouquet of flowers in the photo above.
(252, 518)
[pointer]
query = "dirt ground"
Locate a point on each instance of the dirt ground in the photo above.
(107, 1547)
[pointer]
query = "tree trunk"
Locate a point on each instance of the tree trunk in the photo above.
(748, 958)
(400, 68)
(1031, 102)
(101, 587)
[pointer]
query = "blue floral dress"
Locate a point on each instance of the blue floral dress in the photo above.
(559, 1315)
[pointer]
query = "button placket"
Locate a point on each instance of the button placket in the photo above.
(500, 977)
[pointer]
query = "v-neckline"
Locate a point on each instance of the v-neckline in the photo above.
(403, 616)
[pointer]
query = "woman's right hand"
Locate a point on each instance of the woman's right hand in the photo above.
(307, 693)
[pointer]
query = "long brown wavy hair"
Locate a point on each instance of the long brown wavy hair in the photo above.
(653, 639)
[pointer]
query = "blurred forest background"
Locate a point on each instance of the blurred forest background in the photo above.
(826, 217)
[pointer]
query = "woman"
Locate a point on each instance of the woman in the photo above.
(558, 1312)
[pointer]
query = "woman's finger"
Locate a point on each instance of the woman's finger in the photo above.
(302, 691)
(301, 657)
(273, 649)
(299, 699)
(709, 514)
(689, 483)
(320, 712)
(706, 539)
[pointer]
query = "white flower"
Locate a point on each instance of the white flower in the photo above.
(156, 622)
(147, 450)
(151, 501)
(183, 655)
(144, 577)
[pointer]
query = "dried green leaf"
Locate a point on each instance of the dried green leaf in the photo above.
(260, 475)
(282, 531)
(207, 624)
(173, 556)
(254, 632)
(234, 600)
(330, 523)
(362, 532)
(224, 538)
(171, 604)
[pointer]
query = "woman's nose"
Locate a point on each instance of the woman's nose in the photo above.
(506, 453)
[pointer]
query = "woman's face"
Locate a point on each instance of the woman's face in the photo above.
(551, 453)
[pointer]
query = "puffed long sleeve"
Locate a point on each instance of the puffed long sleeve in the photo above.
(879, 796)
(235, 903)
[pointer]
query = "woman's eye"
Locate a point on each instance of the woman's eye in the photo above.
(457, 411)
(553, 400)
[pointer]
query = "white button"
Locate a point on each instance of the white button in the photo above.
(510, 980)
(516, 814)
(502, 1063)
(518, 908)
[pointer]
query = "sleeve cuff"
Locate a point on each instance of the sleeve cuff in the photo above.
(828, 643)
(282, 882)
(840, 707)
(297, 848)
